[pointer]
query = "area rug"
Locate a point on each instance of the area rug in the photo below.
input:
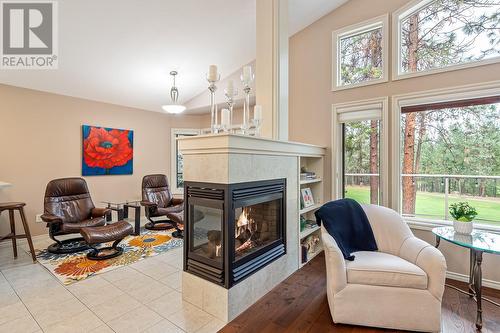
(71, 268)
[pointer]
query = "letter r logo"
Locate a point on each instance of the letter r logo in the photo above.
(27, 27)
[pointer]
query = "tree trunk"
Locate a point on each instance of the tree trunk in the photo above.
(408, 184)
(421, 137)
(374, 162)
(408, 164)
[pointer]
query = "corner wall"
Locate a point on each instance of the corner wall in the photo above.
(41, 139)
(311, 98)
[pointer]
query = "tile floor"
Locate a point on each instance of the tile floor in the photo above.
(142, 297)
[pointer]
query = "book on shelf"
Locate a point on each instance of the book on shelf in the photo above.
(307, 175)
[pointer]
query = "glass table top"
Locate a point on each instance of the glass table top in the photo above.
(121, 203)
(478, 240)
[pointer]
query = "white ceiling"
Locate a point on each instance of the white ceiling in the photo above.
(121, 51)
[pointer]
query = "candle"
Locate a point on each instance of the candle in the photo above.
(224, 118)
(230, 88)
(257, 112)
(247, 74)
(212, 73)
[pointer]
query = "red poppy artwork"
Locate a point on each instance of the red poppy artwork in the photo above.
(107, 151)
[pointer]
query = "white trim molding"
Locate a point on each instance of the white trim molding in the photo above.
(369, 109)
(465, 278)
(397, 17)
(173, 155)
(427, 97)
(356, 29)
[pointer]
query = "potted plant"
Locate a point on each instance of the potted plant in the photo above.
(462, 214)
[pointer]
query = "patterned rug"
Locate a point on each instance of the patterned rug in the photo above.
(71, 268)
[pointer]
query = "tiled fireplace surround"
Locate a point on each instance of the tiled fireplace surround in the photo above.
(229, 159)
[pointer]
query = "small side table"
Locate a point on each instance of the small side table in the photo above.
(137, 215)
(114, 206)
(478, 242)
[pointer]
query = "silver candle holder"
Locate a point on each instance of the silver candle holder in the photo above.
(257, 123)
(246, 103)
(212, 88)
(230, 104)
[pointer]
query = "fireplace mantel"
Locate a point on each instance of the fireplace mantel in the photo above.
(230, 159)
(244, 144)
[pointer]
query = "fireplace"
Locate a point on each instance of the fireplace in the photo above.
(233, 230)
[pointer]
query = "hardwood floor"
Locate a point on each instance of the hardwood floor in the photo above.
(299, 304)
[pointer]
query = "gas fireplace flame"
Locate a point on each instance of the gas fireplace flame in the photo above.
(243, 218)
(245, 231)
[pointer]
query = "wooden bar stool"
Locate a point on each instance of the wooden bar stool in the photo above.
(11, 207)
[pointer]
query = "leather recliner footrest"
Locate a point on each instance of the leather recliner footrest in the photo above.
(115, 233)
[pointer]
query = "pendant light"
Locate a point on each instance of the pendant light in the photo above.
(174, 95)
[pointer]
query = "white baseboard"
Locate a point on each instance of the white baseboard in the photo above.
(465, 278)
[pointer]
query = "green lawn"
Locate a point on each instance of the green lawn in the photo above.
(431, 205)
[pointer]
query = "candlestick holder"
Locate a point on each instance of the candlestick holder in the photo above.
(230, 104)
(212, 88)
(246, 103)
(257, 123)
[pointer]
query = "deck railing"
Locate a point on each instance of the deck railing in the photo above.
(474, 187)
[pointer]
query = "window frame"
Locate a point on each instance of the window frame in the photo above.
(361, 110)
(174, 132)
(401, 14)
(337, 35)
(467, 92)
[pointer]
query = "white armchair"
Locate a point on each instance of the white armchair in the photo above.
(400, 286)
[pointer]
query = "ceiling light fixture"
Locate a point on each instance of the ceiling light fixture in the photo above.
(174, 95)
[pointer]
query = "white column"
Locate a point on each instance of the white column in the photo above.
(272, 67)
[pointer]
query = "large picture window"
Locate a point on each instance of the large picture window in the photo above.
(441, 35)
(360, 54)
(177, 162)
(450, 152)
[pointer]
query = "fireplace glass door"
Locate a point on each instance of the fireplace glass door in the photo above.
(256, 226)
(206, 231)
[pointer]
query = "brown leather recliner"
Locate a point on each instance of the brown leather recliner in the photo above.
(158, 201)
(67, 209)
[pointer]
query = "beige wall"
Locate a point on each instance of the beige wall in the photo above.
(311, 97)
(40, 139)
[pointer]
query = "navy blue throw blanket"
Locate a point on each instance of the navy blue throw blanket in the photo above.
(346, 221)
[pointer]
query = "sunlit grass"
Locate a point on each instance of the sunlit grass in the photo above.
(431, 205)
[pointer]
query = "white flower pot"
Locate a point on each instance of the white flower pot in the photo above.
(464, 228)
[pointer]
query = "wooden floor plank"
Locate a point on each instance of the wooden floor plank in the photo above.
(299, 305)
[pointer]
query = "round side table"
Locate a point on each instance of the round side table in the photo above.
(477, 242)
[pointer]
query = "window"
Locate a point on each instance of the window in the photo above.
(360, 54)
(177, 179)
(359, 148)
(450, 152)
(442, 34)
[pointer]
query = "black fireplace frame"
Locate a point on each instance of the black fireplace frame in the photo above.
(229, 197)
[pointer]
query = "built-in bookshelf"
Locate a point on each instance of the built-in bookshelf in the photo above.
(311, 175)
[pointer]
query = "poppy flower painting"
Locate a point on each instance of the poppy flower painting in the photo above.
(107, 151)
